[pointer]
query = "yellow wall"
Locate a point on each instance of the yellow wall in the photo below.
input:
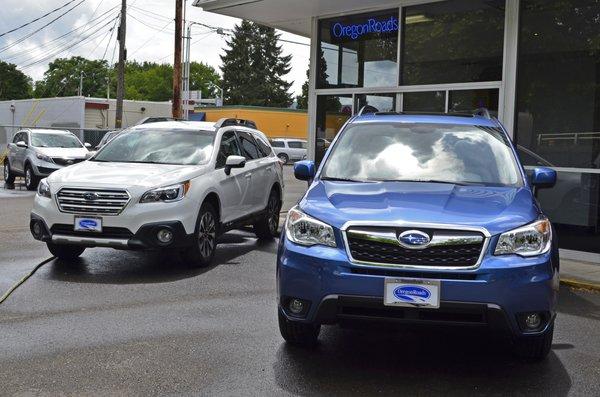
(274, 123)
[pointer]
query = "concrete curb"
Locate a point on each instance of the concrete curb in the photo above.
(580, 284)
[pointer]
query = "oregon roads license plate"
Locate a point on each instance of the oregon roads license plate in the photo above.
(411, 292)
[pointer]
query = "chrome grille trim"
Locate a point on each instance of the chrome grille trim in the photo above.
(387, 236)
(109, 201)
(439, 239)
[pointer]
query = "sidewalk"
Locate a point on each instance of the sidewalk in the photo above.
(580, 274)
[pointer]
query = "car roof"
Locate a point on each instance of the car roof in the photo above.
(289, 139)
(427, 118)
(186, 125)
(47, 131)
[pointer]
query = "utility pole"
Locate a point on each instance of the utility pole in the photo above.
(121, 68)
(81, 83)
(177, 61)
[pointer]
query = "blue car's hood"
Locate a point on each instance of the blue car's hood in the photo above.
(497, 209)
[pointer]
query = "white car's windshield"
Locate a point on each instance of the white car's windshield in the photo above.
(55, 140)
(182, 147)
(446, 153)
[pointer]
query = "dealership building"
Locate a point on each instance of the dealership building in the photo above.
(535, 64)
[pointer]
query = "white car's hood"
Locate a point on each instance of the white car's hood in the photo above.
(90, 174)
(64, 152)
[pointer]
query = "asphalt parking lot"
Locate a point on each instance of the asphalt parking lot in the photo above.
(146, 324)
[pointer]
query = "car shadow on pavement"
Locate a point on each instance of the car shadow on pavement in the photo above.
(107, 266)
(372, 361)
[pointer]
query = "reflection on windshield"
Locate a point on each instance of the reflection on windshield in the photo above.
(461, 154)
(55, 140)
(182, 147)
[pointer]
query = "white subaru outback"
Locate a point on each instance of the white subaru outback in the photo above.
(168, 185)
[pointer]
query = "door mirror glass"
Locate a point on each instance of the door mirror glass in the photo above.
(304, 170)
(234, 162)
(21, 144)
(542, 177)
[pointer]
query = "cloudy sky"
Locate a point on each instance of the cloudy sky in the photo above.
(150, 30)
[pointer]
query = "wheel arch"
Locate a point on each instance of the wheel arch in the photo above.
(213, 198)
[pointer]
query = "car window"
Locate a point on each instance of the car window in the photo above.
(17, 137)
(55, 140)
(297, 145)
(277, 144)
(248, 146)
(229, 147)
(263, 146)
(429, 152)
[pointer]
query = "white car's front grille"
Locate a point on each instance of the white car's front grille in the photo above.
(84, 201)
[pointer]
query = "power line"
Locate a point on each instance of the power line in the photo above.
(37, 30)
(37, 19)
(151, 38)
(110, 38)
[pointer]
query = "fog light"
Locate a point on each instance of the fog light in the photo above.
(165, 236)
(37, 229)
(296, 306)
(533, 320)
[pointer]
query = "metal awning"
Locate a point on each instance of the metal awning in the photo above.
(292, 16)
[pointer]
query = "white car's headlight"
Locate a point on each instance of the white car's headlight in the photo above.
(167, 194)
(306, 230)
(529, 240)
(43, 157)
(43, 189)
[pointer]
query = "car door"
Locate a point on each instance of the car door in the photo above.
(17, 154)
(297, 150)
(254, 172)
(266, 169)
(233, 187)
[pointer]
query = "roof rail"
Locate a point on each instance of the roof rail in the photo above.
(225, 122)
(367, 109)
(482, 112)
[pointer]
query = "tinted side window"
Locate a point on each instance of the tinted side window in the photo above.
(262, 146)
(229, 147)
(248, 146)
(297, 145)
(17, 137)
(277, 144)
(25, 137)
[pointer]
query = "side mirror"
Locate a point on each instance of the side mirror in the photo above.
(304, 170)
(234, 162)
(22, 144)
(543, 177)
(87, 145)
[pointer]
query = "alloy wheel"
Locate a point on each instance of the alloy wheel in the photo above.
(273, 214)
(6, 171)
(206, 235)
(28, 177)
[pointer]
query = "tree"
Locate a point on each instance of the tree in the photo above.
(201, 77)
(14, 84)
(63, 74)
(253, 68)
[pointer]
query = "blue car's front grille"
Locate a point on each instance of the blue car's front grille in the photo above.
(374, 247)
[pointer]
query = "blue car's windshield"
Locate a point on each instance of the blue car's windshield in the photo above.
(446, 153)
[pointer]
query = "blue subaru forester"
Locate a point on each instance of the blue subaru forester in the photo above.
(420, 219)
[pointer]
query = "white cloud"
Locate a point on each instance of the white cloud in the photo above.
(144, 42)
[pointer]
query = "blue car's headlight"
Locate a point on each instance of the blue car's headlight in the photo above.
(306, 230)
(529, 240)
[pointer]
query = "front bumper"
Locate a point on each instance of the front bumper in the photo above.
(493, 295)
(119, 238)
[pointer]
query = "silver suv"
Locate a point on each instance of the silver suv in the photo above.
(36, 153)
(289, 149)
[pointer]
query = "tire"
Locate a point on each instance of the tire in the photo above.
(202, 252)
(9, 177)
(31, 179)
(297, 333)
(266, 228)
(65, 252)
(283, 157)
(536, 347)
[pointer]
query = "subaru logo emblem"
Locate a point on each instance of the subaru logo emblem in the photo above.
(414, 239)
(90, 196)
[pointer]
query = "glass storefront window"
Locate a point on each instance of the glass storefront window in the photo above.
(429, 101)
(558, 111)
(359, 50)
(382, 102)
(469, 100)
(453, 41)
(332, 112)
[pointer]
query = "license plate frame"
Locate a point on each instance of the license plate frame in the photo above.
(94, 224)
(412, 292)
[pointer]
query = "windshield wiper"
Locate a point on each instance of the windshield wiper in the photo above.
(431, 181)
(335, 179)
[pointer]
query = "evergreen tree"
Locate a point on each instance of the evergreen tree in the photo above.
(253, 68)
